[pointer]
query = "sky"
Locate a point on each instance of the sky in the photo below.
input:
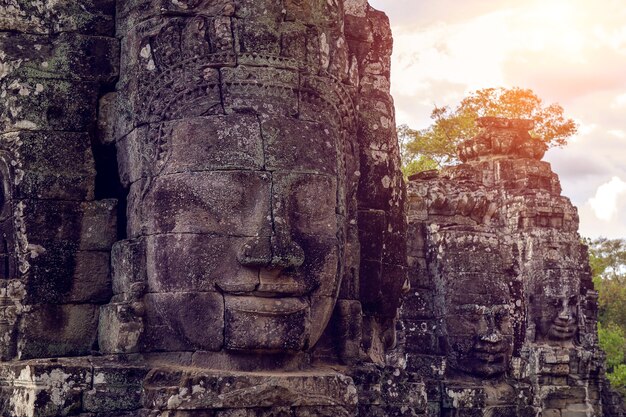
(572, 52)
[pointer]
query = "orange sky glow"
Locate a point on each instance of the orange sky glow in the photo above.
(568, 51)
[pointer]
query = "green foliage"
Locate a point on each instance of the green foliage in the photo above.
(607, 258)
(612, 340)
(424, 152)
(436, 145)
(617, 378)
(608, 264)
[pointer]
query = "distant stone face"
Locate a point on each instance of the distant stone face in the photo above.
(502, 284)
(556, 310)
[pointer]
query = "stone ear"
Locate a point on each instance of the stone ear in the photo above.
(5, 190)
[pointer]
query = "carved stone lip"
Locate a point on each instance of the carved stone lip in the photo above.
(490, 353)
(486, 357)
(563, 330)
(280, 290)
(265, 306)
(274, 283)
(281, 283)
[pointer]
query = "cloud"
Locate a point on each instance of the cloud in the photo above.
(605, 202)
(414, 103)
(564, 77)
(419, 14)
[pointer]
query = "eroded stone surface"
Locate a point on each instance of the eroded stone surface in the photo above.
(254, 140)
(265, 251)
(501, 307)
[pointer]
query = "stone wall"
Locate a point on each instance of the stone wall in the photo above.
(243, 253)
(57, 231)
(501, 317)
(202, 214)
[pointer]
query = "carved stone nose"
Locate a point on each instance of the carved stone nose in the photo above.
(492, 337)
(565, 315)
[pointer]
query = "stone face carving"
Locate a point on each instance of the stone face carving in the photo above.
(495, 257)
(260, 257)
(556, 308)
(477, 313)
(256, 193)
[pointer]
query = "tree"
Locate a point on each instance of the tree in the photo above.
(607, 258)
(608, 264)
(435, 146)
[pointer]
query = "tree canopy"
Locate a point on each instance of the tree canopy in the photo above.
(435, 146)
(608, 265)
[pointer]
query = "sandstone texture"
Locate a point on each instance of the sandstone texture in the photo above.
(501, 317)
(202, 214)
(203, 209)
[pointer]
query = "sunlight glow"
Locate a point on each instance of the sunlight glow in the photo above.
(620, 101)
(572, 52)
(555, 46)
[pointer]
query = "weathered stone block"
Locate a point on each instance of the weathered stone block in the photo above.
(65, 56)
(419, 304)
(62, 274)
(422, 337)
(174, 91)
(394, 248)
(253, 323)
(430, 366)
(128, 267)
(75, 330)
(178, 322)
(378, 283)
(166, 389)
(270, 91)
(45, 104)
(295, 145)
(190, 262)
(203, 202)
(99, 225)
(120, 327)
(67, 217)
(372, 225)
(56, 165)
(193, 144)
(44, 388)
(88, 17)
(294, 207)
(214, 142)
(115, 387)
(463, 397)
(376, 185)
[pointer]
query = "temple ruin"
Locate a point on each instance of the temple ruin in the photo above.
(203, 215)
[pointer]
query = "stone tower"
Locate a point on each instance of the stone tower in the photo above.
(501, 317)
(202, 210)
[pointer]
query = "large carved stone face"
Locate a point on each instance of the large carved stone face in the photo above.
(556, 313)
(480, 338)
(474, 269)
(253, 249)
(235, 131)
